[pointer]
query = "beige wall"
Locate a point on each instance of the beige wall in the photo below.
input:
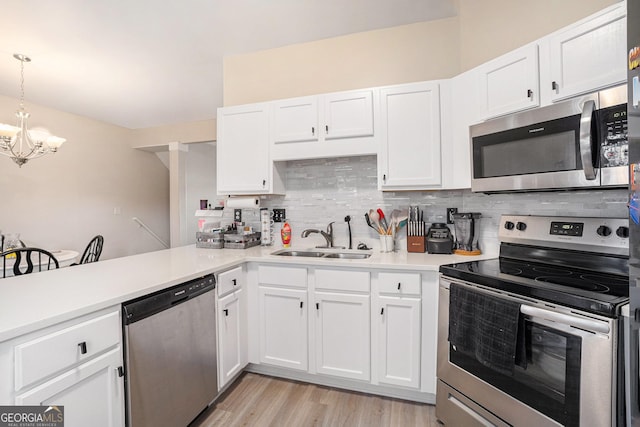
(200, 131)
(489, 28)
(408, 53)
(61, 201)
(424, 51)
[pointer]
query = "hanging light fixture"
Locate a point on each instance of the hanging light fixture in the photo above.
(18, 142)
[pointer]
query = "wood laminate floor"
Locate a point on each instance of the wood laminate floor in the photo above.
(258, 400)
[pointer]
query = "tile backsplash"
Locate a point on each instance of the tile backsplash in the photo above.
(320, 191)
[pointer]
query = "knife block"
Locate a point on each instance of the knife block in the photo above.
(417, 244)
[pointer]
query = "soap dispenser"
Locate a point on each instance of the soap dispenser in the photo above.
(285, 234)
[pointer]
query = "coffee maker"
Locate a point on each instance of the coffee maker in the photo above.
(466, 227)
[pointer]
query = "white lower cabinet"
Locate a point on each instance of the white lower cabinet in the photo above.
(232, 325)
(283, 327)
(230, 337)
(77, 364)
(91, 393)
(397, 325)
(374, 328)
(342, 327)
(398, 329)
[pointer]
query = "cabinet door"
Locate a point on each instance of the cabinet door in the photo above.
(243, 161)
(399, 341)
(283, 327)
(589, 55)
(230, 346)
(410, 157)
(348, 114)
(92, 393)
(510, 82)
(295, 120)
(342, 326)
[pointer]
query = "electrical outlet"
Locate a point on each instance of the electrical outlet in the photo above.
(237, 215)
(279, 215)
(450, 212)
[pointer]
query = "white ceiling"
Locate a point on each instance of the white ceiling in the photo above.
(144, 63)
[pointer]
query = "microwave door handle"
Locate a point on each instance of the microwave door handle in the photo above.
(585, 140)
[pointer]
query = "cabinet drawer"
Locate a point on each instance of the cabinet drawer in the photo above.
(46, 355)
(229, 281)
(283, 276)
(399, 283)
(343, 280)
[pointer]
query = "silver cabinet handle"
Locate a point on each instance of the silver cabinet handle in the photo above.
(585, 140)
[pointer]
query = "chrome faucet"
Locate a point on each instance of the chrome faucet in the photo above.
(328, 235)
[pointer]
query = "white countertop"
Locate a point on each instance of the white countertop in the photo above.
(38, 300)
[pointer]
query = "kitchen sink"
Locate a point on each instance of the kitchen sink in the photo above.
(311, 254)
(347, 255)
(322, 254)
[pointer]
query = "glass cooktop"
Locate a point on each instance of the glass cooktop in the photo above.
(592, 291)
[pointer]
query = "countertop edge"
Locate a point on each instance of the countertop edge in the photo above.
(170, 267)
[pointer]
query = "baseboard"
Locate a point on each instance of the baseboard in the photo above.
(352, 385)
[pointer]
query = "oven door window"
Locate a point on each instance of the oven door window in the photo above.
(552, 146)
(549, 379)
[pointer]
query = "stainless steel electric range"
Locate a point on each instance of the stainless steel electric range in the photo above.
(532, 338)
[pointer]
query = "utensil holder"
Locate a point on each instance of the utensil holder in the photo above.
(417, 244)
(387, 243)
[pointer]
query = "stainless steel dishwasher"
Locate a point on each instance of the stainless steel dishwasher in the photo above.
(170, 354)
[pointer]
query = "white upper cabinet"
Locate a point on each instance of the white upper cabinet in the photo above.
(330, 125)
(348, 114)
(295, 120)
(588, 55)
(243, 162)
(509, 83)
(409, 155)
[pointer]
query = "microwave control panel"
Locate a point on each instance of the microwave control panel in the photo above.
(614, 149)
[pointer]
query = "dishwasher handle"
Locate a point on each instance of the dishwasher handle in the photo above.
(141, 308)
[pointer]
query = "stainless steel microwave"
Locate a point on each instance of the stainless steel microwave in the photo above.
(578, 143)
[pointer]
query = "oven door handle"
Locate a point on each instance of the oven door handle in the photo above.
(586, 147)
(578, 322)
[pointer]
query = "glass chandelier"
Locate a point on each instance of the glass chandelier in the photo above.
(18, 142)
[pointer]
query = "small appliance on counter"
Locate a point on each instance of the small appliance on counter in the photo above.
(465, 225)
(439, 239)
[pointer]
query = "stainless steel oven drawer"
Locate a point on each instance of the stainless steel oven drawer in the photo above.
(455, 409)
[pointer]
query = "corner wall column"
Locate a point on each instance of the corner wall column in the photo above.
(177, 193)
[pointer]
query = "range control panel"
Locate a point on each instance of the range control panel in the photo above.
(601, 235)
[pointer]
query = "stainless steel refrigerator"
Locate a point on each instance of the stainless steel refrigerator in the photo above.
(632, 328)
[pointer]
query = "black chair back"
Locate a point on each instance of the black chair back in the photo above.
(27, 260)
(93, 250)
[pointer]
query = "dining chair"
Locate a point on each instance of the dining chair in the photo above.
(27, 260)
(93, 251)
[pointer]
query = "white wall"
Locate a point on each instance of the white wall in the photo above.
(201, 183)
(61, 201)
